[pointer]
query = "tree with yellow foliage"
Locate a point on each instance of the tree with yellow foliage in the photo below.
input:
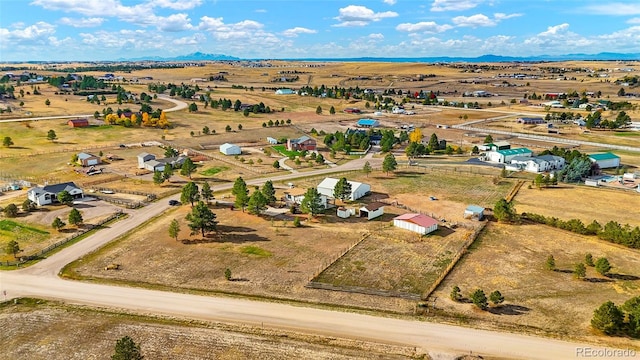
(415, 136)
(111, 119)
(145, 119)
(134, 118)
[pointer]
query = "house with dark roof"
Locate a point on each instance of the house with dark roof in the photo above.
(301, 143)
(372, 211)
(149, 162)
(48, 194)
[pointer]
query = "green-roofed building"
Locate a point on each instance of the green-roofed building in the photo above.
(605, 160)
(505, 156)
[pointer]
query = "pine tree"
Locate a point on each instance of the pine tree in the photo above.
(206, 193)
(157, 177)
(269, 192)
(342, 190)
(389, 163)
(167, 172)
(75, 217)
(127, 349)
(174, 229)
(201, 219)
(551, 263)
(241, 193)
(608, 318)
(190, 193)
(257, 203)
(367, 168)
(496, 297)
(51, 135)
(479, 299)
(58, 224)
(312, 202)
(188, 167)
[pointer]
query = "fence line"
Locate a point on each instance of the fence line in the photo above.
(56, 245)
(326, 264)
(127, 204)
(454, 261)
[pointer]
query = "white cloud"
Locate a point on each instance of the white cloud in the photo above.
(82, 23)
(473, 21)
(454, 5)
(355, 15)
(176, 4)
(376, 37)
(423, 26)
(389, 2)
(554, 30)
(240, 34)
(294, 32)
(113, 8)
(173, 23)
(195, 39)
(37, 32)
(262, 11)
(502, 16)
(614, 9)
(634, 21)
(125, 40)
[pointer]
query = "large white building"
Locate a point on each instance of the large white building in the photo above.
(538, 164)
(605, 160)
(358, 189)
(505, 156)
(230, 149)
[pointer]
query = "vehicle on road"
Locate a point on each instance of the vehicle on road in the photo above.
(174, 202)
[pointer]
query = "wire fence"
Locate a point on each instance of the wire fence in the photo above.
(42, 253)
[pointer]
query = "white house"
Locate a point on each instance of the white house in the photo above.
(505, 156)
(419, 223)
(49, 193)
(272, 141)
(285, 92)
(372, 211)
(358, 189)
(149, 162)
(230, 149)
(144, 157)
(555, 162)
(605, 160)
(296, 195)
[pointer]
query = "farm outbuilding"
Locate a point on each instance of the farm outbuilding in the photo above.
(605, 160)
(345, 213)
(530, 120)
(372, 211)
(86, 159)
(421, 224)
(505, 156)
(285, 92)
(230, 149)
(78, 123)
(474, 211)
(368, 123)
(272, 141)
(358, 189)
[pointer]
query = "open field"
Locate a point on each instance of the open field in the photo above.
(511, 259)
(570, 202)
(48, 330)
(396, 261)
(266, 258)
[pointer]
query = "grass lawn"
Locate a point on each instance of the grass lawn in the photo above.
(27, 236)
(214, 170)
(283, 150)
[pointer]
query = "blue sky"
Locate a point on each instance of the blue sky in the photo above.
(110, 29)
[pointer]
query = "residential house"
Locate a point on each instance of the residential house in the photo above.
(530, 120)
(48, 194)
(350, 110)
(495, 146)
(143, 158)
(418, 223)
(230, 149)
(151, 163)
(86, 159)
(296, 195)
(301, 143)
(372, 211)
(75, 123)
(272, 141)
(358, 189)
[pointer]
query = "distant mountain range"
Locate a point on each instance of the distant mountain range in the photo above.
(198, 56)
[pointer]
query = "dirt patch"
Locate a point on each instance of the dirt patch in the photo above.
(56, 332)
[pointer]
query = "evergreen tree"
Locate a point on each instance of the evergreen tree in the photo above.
(579, 271)
(51, 135)
(433, 144)
(257, 203)
(588, 260)
(206, 193)
(190, 193)
(367, 168)
(157, 177)
(201, 219)
(479, 299)
(608, 318)
(12, 248)
(269, 192)
(75, 217)
(551, 263)
(455, 293)
(342, 190)
(7, 142)
(496, 297)
(389, 163)
(64, 197)
(602, 266)
(58, 224)
(319, 110)
(127, 349)
(488, 139)
(312, 202)
(504, 211)
(167, 172)
(332, 111)
(174, 229)
(188, 167)
(240, 192)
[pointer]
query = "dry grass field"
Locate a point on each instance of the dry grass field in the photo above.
(580, 202)
(52, 331)
(266, 258)
(395, 260)
(511, 259)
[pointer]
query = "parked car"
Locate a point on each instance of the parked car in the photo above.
(174, 202)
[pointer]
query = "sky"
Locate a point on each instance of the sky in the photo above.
(88, 30)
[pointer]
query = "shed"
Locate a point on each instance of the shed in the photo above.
(78, 123)
(86, 159)
(144, 157)
(272, 141)
(285, 92)
(344, 212)
(422, 224)
(474, 211)
(358, 189)
(605, 160)
(372, 211)
(230, 149)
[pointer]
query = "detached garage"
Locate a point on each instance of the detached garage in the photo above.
(421, 224)
(358, 189)
(230, 149)
(605, 160)
(372, 211)
(86, 159)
